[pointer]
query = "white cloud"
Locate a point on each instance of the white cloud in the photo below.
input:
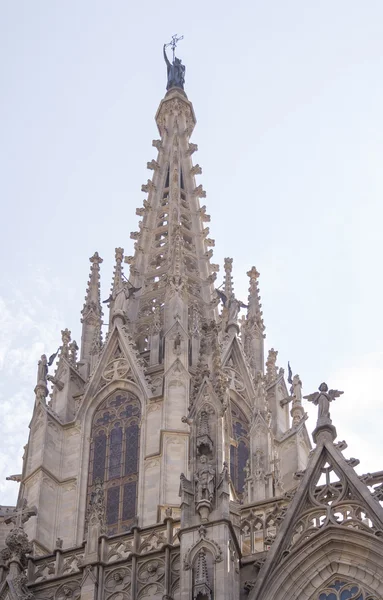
(27, 330)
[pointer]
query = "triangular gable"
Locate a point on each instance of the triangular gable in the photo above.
(177, 367)
(125, 367)
(206, 393)
(330, 494)
(234, 352)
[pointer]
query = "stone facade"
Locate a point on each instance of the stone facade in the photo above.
(170, 460)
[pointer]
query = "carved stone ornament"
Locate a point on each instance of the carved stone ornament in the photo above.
(68, 591)
(96, 509)
(19, 545)
(203, 542)
(151, 571)
(118, 580)
(19, 584)
(117, 369)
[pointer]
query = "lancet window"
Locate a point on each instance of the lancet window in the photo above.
(341, 590)
(114, 457)
(239, 449)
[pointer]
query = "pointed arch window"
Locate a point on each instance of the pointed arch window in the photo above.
(239, 449)
(114, 457)
(342, 590)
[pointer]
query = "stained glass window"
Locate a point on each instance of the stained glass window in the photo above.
(341, 590)
(239, 449)
(114, 457)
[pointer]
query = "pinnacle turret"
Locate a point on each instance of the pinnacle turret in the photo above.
(172, 249)
(254, 312)
(92, 312)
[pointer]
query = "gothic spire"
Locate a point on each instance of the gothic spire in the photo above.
(228, 279)
(172, 249)
(254, 312)
(92, 311)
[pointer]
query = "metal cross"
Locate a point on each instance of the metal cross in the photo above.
(173, 43)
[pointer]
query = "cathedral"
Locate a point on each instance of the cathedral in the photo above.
(170, 459)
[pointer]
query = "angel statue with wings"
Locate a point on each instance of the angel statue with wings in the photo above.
(322, 399)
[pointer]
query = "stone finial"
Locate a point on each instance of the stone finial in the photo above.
(21, 515)
(322, 400)
(42, 370)
(228, 279)
(66, 338)
(271, 366)
(18, 545)
(92, 306)
(117, 274)
(73, 349)
(254, 312)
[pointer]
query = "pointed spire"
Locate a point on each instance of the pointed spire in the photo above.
(119, 291)
(271, 366)
(228, 279)
(92, 312)
(118, 270)
(254, 312)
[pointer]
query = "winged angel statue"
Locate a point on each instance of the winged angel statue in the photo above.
(322, 399)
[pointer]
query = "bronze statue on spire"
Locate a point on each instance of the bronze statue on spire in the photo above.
(176, 70)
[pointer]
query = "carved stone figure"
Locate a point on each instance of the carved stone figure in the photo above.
(296, 389)
(42, 370)
(19, 545)
(322, 399)
(204, 479)
(176, 72)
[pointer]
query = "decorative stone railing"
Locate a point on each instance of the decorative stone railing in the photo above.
(111, 551)
(259, 524)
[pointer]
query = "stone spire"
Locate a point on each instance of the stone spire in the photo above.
(254, 312)
(117, 296)
(253, 327)
(228, 279)
(172, 249)
(92, 312)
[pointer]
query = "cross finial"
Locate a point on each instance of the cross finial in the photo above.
(173, 43)
(19, 516)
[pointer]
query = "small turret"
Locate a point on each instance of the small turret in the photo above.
(253, 327)
(91, 313)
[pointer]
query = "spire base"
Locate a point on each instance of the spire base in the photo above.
(323, 432)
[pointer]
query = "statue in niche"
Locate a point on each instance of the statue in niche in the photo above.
(322, 399)
(204, 479)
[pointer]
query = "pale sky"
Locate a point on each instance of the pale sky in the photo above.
(288, 98)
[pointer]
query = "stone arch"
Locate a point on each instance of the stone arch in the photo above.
(206, 544)
(340, 587)
(337, 551)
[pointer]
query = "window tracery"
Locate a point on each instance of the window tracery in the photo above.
(341, 590)
(239, 449)
(114, 457)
